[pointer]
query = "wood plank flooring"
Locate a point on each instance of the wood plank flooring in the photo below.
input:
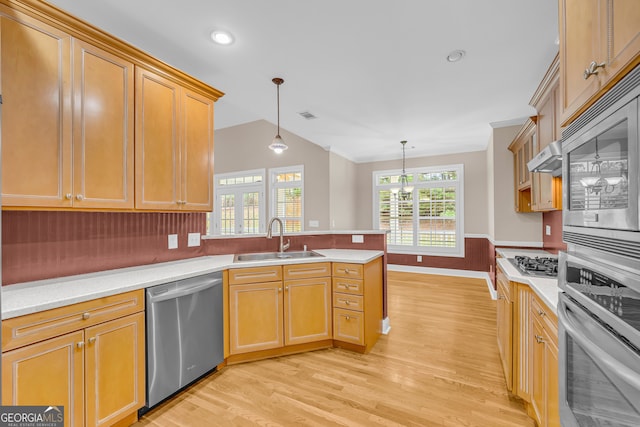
(439, 366)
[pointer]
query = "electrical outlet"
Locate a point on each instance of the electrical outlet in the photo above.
(314, 223)
(548, 230)
(419, 258)
(173, 241)
(193, 240)
(357, 238)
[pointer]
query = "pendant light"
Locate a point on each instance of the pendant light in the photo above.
(278, 144)
(405, 188)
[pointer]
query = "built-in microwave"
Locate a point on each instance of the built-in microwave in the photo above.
(601, 170)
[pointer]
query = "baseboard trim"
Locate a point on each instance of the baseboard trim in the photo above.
(447, 272)
(386, 326)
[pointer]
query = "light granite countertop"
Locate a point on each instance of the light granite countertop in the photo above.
(546, 289)
(31, 297)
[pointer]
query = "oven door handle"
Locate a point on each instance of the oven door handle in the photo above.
(621, 370)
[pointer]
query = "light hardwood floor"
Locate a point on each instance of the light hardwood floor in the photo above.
(439, 366)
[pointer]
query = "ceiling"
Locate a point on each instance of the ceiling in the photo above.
(373, 72)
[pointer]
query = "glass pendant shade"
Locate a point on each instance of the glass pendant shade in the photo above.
(278, 145)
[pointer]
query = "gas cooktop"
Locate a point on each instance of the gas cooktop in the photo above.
(536, 266)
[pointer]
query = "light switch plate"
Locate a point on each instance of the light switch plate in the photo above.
(173, 241)
(357, 238)
(314, 223)
(193, 240)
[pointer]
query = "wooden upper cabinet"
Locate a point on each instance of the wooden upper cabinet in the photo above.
(603, 32)
(522, 148)
(174, 145)
(197, 151)
(36, 112)
(103, 129)
(58, 153)
(546, 190)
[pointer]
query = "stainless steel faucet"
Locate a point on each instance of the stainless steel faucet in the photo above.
(283, 247)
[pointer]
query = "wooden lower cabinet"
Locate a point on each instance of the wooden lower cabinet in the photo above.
(97, 373)
(307, 314)
(528, 345)
(256, 316)
(348, 325)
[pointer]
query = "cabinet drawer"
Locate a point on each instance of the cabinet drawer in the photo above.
(348, 301)
(351, 271)
(348, 286)
(239, 276)
(348, 326)
(544, 315)
(303, 271)
(31, 328)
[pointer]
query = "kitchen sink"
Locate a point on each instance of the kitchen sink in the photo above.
(267, 256)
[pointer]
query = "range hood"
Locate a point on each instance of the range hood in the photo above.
(548, 160)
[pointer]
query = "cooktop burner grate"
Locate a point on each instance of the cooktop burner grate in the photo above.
(536, 266)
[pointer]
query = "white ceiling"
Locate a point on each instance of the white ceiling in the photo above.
(373, 72)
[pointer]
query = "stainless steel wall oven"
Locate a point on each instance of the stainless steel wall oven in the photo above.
(599, 308)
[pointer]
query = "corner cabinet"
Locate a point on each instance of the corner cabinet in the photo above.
(546, 190)
(90, 355)
(174, 145)
(522, 149)
(599, 44)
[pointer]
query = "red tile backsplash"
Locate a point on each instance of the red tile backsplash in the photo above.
(41, 245)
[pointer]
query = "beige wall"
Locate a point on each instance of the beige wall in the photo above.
(475, 187)
(505, 225)
(244, 147)
(342, 193)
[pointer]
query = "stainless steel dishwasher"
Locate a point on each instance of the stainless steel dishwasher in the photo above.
(184, 334)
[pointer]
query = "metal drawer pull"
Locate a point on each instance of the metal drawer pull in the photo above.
(85, 316)
(592, 69)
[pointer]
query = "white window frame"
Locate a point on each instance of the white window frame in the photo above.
(277, 185)
(238, 189)
(458, 250)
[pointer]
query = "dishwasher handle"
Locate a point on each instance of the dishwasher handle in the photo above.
(185, 290)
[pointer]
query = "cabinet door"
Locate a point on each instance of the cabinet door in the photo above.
(348, 326)
(255, 317)
(580, 35)
(622, 43)
(36, 112)
(157, 144)
(307, 310)
(521, 380)
(103, 129)
(48, 373)
(115, 369)
(538, 369)
(505, 329)
(197, 152)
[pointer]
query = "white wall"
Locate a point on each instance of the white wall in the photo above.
(342, 193)
(245, 147)
(506, 226)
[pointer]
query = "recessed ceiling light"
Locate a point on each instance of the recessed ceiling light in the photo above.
(456, 55)
(222, 37)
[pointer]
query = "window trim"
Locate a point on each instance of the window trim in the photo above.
(273, 185)
(458, 251)
(220, 189)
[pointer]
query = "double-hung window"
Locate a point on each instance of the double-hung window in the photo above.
(287, 187)
(239, 203)
(426, 219)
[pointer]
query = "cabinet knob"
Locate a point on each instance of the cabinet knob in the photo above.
(92, 340)
(539, 339)
(80, 344)
(542, 313)
(592, 69)
(68, 196)
(286, 288)
(347, 317)
(347, 302)
(279, 289)
(80, 197)
(85, 316)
